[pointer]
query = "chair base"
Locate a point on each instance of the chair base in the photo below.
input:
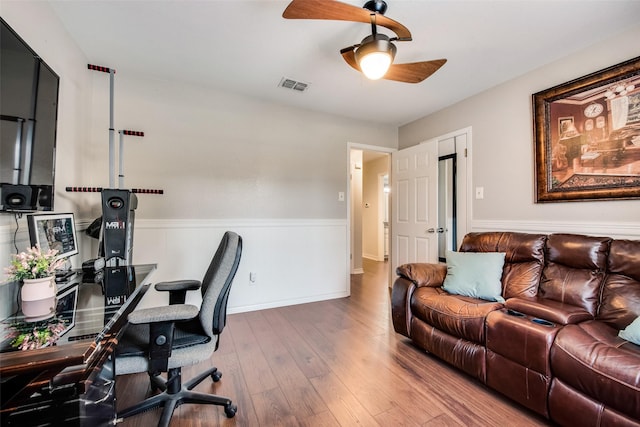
(174, 393)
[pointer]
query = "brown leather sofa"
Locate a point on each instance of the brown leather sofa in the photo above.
(553, 345)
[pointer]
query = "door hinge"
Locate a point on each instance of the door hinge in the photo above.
(465, 152)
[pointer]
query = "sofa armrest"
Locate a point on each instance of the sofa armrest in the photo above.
(410, 277)
(553, 311)
(401, 305)
(423, 274)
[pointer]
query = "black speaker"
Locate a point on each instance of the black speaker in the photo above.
(118, 215)
(16, 197)
(44, 196)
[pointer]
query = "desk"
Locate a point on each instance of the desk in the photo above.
(72, 381)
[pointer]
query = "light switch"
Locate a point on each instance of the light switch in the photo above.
(341, 196)
(479, 192)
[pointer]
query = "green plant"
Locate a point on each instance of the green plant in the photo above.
(33, 264)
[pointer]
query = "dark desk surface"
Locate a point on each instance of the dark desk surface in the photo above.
(95, 322)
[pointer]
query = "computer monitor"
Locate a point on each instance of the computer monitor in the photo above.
(54, 231)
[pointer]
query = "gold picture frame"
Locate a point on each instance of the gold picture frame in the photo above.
(600, 161)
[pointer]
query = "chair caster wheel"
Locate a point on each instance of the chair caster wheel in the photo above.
(216, 376)
(230, 410)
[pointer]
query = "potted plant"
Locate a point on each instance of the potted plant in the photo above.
(35, 270)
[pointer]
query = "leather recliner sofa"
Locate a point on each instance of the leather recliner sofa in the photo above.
(553, 345)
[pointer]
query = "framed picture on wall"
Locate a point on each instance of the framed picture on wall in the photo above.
(575, 160)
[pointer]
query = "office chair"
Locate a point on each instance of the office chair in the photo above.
(163, 339)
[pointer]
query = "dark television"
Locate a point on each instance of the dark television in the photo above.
(28, 113)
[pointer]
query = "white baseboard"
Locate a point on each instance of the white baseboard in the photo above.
(373, 257)
(275, 304)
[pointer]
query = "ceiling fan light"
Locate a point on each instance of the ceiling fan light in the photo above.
(375, 55)
(375, 65)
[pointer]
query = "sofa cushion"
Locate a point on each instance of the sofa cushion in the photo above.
(456, 315)
(523, 261)
(632, 332)
(575, 270)
(465, 355)
(621, 291)
(475, 274)
(592, 359)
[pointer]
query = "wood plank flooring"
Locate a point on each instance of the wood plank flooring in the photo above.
(332, 363)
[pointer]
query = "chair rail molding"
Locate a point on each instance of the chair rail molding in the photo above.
(617, 230)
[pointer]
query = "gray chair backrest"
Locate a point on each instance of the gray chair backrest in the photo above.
(217, 283)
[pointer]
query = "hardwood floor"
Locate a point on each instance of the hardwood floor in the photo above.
(332, 363)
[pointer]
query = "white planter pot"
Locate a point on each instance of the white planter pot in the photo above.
(38, 297)
(37, 289)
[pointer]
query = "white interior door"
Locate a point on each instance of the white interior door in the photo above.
(414, 176)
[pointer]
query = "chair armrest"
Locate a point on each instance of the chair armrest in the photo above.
(167, 313)
(178, 285)
(161, 321)
(178, 289)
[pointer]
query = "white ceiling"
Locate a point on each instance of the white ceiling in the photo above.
(246, 47)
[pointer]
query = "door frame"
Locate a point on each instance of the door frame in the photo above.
(363, 147)
(465, 201)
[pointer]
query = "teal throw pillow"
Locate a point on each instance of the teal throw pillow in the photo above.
(632, 332)
(475, 274)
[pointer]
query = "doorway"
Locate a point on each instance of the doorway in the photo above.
(456, 144)
(368, 211)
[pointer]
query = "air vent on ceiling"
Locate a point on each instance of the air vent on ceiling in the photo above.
(288, 83)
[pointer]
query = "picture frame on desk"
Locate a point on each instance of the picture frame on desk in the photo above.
(66, 305)
(576, 161)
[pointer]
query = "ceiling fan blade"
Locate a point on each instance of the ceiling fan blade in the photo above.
(349, 55)
(338, 11)
(413, 72)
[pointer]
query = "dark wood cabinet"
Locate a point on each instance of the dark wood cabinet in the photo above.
(72, 383)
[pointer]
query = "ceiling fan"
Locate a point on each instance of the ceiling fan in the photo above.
(374, 55)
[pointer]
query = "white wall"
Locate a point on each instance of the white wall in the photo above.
(271, 172)
(502, 155)
(225, 161)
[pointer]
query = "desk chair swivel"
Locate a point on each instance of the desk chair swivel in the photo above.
(163, 339)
